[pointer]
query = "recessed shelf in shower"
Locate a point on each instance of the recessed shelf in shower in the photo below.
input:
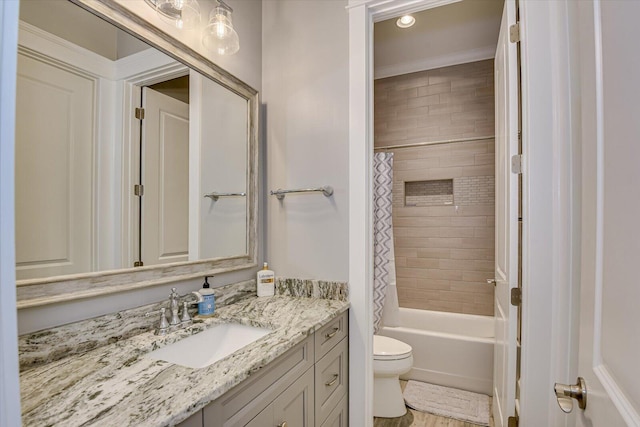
(436, 192)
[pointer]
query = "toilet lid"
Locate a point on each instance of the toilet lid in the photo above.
(385, 348)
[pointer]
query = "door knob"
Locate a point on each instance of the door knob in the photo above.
(491, 282)
(565, 393)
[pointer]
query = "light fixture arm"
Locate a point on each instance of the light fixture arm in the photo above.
(170, 13)
(225, 6)
(183, 14)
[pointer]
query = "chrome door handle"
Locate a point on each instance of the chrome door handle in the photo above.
(491, 282)
(282, 424)
(565, 393)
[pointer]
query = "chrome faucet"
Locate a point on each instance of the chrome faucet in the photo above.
(175, 321)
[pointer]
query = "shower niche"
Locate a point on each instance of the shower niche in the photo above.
(435, 192)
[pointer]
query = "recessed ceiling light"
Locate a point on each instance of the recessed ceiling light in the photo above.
(405, 21)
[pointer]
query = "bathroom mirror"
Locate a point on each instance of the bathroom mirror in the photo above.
(144, 154)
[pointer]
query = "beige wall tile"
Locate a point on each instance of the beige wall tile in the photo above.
(457, 232)
(434, 253)
(443, 255)
(435, 89)
(419, 232)
(424, 263)
(439, 284)
(436, 221)
(423, 101)
(476, 288)
(479, 254)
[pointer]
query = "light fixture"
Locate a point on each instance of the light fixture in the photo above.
(183, 14)
(405, 21)
(219, 36)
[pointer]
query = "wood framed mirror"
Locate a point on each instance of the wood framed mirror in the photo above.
(133, 196)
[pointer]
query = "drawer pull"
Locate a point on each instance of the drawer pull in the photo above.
(333, 381)
(283, 424)
(332, 334)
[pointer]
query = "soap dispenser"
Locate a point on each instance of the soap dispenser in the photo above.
(265, 279)
(208, 304)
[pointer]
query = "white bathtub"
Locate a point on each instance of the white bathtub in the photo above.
(449, 349)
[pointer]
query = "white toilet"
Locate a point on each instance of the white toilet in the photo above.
(391, 358)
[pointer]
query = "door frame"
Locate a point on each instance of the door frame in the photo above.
(136, 75)
(550, 208)
(10, 413)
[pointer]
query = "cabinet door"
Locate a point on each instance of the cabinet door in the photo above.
(339, 417)
(295, 405)
(263, 419)
(194, 420)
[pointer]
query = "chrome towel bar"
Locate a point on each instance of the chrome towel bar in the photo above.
(326, 190)
(215, 196)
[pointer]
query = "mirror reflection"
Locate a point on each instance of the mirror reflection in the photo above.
(117, 145)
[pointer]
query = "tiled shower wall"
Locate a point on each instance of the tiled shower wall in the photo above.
(444, 253)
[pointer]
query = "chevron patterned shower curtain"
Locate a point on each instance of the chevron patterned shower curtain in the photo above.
(382, 232)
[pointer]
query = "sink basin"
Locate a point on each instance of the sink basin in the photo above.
(209, 346)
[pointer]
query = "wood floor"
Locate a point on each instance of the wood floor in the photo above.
(421, 419)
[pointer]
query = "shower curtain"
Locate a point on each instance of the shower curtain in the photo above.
(385, 298)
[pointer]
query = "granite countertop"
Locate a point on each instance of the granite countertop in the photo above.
(116, 384)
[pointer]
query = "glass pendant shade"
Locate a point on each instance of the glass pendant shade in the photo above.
(183, 14)
(219, 36)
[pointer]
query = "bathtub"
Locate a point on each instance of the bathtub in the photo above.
(449, 349)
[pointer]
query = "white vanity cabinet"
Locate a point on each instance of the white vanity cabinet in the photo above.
(305, 387)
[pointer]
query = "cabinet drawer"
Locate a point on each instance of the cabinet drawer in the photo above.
(331, 334)
(244, 402)
(331, 380)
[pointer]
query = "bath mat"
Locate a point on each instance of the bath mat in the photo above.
(448, 402)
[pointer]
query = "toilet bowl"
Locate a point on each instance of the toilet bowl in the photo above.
(391, 358)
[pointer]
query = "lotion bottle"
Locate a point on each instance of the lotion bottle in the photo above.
(208, 305)
(265, 280)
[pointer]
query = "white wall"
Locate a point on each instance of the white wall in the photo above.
(246, 65)
(306, 94)
(87, 30)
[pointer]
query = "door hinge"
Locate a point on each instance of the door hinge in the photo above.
(512, 422)
(516, 296)
(139, 113)
(138, 264)
(138, 190)
(514, 33)
(516, 163)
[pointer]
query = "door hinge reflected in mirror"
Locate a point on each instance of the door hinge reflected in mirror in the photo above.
(139, 113)
(516, 164)
(514, 33)
(516, 296)
(138, 190)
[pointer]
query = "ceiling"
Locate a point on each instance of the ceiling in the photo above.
(461, 32)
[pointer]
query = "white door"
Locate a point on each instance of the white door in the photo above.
(609, 348)
(165, 176)
(506, 256)
(54, 181)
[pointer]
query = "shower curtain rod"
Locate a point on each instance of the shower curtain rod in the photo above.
(446, 141)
